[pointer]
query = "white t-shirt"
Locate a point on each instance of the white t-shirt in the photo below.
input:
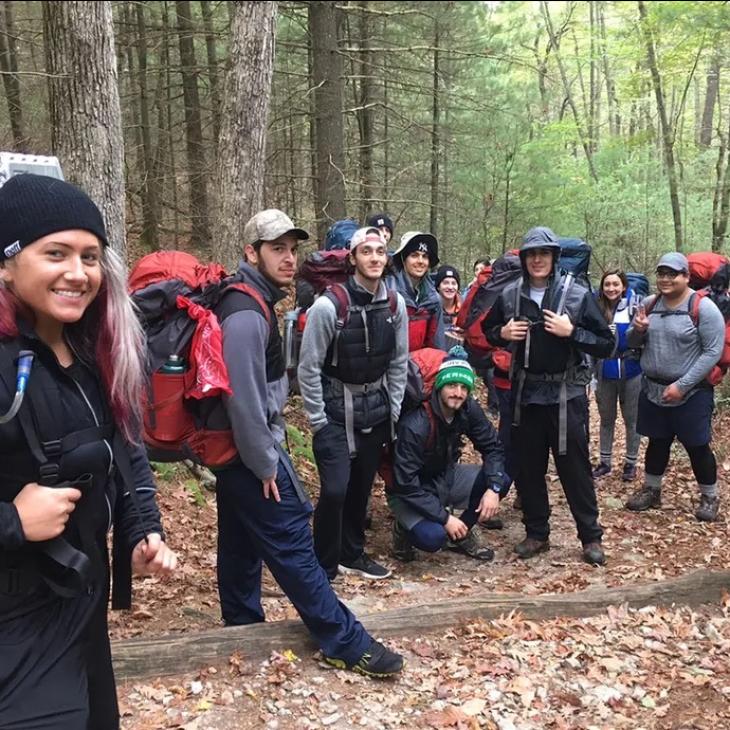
(537, 295)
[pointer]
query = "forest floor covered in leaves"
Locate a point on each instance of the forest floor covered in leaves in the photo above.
(627, 668)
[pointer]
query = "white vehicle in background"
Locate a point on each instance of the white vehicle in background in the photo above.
(13, 163)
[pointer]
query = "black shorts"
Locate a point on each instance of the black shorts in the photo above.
(690, 422)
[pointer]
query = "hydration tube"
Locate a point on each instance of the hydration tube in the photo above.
(25, 360)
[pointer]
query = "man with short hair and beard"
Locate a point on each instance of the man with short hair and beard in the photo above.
(263, 511)
(427, 478)
(352, 377)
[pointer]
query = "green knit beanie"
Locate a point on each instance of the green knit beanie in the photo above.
(456, 369)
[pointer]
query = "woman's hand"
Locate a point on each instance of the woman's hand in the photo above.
(44, 511)
(152, 556)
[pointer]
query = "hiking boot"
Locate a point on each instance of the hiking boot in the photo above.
(530, 547)
(471, 546)
(495, 523)
(644, 499)
(378, 661)
(365, 567)
(601, 470)
(402, 548)
(629, 473)
(593, 553)
(708, 509)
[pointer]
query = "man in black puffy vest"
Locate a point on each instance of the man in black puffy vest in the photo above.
(550, 322)
(352, 377)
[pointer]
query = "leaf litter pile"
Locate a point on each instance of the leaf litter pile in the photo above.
(647, 668)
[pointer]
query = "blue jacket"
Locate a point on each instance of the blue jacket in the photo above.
(619, 366)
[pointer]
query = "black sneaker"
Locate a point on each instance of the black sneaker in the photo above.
(378, 661)
(629, 473)
(365, 567)
(644, 499)
(601, 470)
(471, 546)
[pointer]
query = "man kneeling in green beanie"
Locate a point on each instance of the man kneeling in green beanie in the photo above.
(427, 476)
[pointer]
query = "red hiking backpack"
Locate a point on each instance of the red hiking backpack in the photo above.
(423, 366)
(176, 294)
(709, 275)
(481, 298)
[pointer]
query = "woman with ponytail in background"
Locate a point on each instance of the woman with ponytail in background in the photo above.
(618, 376)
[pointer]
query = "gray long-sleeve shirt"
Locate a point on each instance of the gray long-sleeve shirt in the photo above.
(255, 407)
(318, 335)
(674, 350)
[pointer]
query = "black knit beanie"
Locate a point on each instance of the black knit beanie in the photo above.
(443, 273)
(33, 206)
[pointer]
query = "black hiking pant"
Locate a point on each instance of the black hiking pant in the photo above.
(345, 485)
(532, 441)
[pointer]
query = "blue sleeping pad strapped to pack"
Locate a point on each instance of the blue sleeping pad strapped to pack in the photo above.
(575, 258)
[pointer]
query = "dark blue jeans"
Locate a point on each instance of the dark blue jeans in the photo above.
(252, 529)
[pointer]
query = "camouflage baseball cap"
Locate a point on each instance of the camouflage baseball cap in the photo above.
(268, 225)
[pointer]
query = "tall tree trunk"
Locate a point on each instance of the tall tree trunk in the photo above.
(614, 114)
(325, 22)
(721, 198)
(708, 113)
(86, 119)
(568, 94)
(215, 99)
(193, 126)
(9, 68)
(239, 183)
(366, 114)
(666, 131)
(150, 199)
(435, 139)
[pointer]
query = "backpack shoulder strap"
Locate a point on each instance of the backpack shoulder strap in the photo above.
(340, 297)
(651, 303)
(693, 306)
(255, 294)
(393, 301)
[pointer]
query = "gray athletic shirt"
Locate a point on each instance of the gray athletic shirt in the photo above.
(675, 351)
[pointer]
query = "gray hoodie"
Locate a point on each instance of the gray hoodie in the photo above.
(255, 408)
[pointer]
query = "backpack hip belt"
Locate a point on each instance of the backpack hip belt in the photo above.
(349, 391)
(574, 375)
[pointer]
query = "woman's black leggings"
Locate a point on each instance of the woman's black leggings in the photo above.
(702, 459)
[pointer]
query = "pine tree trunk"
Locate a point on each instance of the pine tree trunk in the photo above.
(367, 112)
(149, 192)
(193, 126)
(9, 68)
(86, 115)
(241, 150)
(713, 86)
(435, 140)
(614, 114)
(215, 99)
(666, 131)
(327, 71)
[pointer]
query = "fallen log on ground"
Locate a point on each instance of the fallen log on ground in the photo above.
(180, 653)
